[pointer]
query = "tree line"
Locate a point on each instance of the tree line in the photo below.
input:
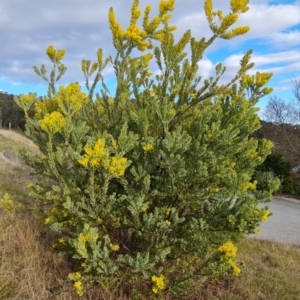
(281, 126)
(11, 115)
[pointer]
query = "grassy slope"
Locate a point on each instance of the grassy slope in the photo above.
(14, 176)
(30, 269)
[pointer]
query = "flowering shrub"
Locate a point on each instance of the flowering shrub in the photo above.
(150, 192)
(9, 205)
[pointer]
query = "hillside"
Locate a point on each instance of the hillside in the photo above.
(286, 142)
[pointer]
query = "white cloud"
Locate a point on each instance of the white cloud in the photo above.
(206, 68)
(265, 20)
(279, 62)
(284, 40)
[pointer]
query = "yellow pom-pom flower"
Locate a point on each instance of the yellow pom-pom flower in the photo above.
(53, 122)
(148, 147)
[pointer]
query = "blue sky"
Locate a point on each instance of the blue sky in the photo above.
(80, 27)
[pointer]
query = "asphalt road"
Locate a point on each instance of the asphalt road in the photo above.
(284, 225)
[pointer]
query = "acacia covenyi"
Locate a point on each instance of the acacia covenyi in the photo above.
(149, 187)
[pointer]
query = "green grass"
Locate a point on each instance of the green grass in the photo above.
(30, 269)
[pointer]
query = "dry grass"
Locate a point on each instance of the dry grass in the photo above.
(272, 271)
(17, 138)
(14, 174)
(31, 269)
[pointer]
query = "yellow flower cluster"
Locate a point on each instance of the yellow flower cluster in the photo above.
(100, 109)
(137, 36)
(239, 6)
(263, 78)
(247, 80)
(98, 156)
(236, 31)
(84, 237)
(114, 247)
(235, 269)
(269, 144)
(70, 98)
(213, 189)
(228, 21)
(94, 67)
(62, 240)
(148, 147)
(43, 158)
(142, 63)
(265, 216)
(53, 122)
(167, 222)
(85, 67)
(55, 55)
(29, 185)
(94, 156)
(231, 219)
(79, 288)
(117, 166)
(259, 79)
(135, 12)
(145, 60)
(144, 207)
(45, 106)
(28, 100)
(25, 101)
(77, 283)
(111, 101)
(48, 221)
(147, 11)
(229, 249)
(115, 27)
(249, 186)
(165, 6)
(172, 111)
(208, 8)
(9, 205)
(159, 283)
(99, 55)
(114, 144)
(153, 25)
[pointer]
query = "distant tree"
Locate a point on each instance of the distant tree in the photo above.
(10, 112)
(281, 168)
(286, 115)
